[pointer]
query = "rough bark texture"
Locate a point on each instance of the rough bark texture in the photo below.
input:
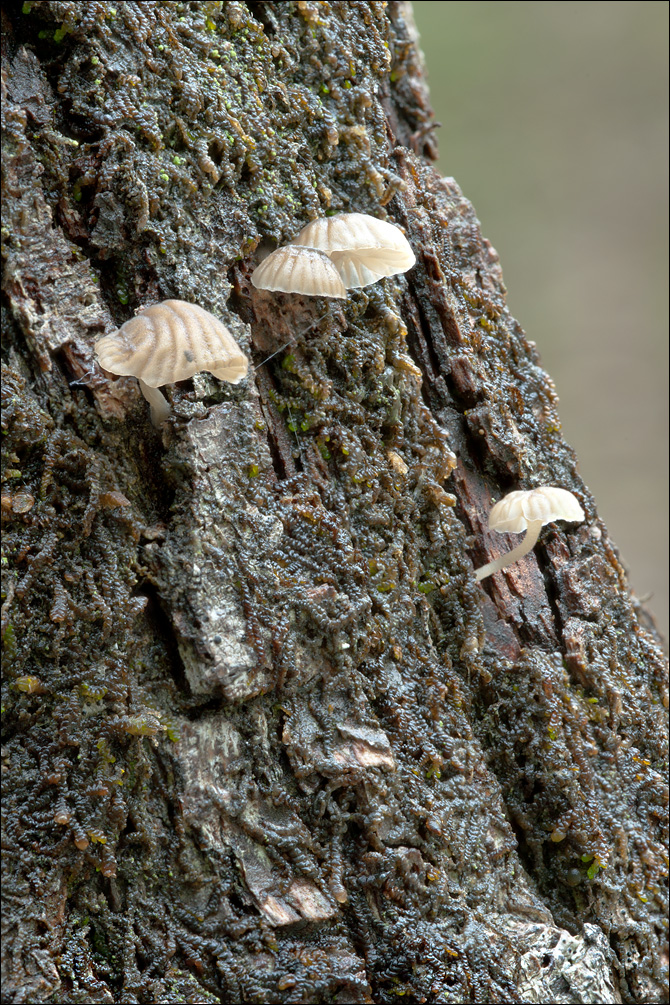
(266, 740)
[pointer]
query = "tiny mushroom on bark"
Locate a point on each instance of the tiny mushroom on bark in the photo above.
(299, 270)
(168, 342)
(362, 248)
(529, 511)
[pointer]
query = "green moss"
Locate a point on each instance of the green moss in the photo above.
(9, 640)
(28, 684)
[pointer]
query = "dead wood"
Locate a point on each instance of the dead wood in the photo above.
(266, 740)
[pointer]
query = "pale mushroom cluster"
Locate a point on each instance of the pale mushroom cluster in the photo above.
(334, 254)
(168, 342)
(528, 511)
(174, 340)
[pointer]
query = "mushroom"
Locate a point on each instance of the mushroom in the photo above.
(529, 511)
(362, 248)
(299, 270)
(167, 342)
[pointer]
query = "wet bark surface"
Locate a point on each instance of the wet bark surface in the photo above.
(265, 738)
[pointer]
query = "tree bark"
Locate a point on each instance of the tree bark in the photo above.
(266, 740)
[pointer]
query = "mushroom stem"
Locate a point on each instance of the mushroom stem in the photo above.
(528, 543)
(160, 409)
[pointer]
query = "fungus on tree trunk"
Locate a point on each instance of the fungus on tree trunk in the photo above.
(528, 511)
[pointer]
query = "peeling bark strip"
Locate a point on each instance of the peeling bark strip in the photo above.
(266, 740)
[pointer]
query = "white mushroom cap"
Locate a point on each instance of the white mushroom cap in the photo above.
(529, 511)
(172, 341)
(353, 232)
(299, 270)
(363, 248)
(513, 513)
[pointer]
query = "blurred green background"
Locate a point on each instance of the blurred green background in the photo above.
(554, 124)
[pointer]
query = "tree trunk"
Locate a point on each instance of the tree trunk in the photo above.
(266, 739)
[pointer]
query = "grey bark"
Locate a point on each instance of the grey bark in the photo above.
(266, 740)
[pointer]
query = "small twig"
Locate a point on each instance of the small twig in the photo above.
(291, 341)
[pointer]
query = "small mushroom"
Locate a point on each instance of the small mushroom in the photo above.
(362, 248)
(167, 342)
(299, 270)
(528, 511)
